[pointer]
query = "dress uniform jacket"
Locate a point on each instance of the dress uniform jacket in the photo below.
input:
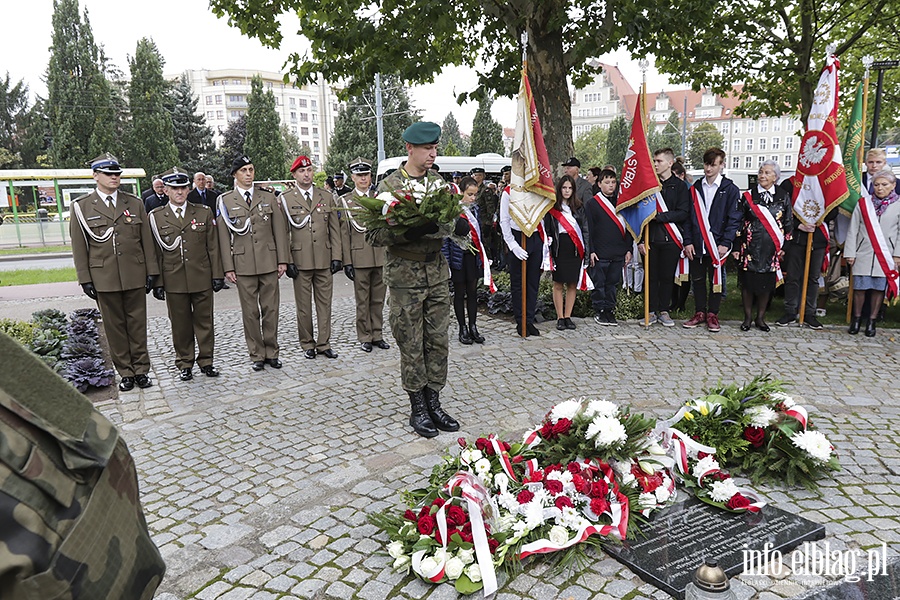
(368, 263)
(417, 274)
(264, 246)
(317, 241)
(190, 267)
(127, 258)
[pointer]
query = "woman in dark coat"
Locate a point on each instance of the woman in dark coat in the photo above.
(466, 267)
(567, 252)
(759, 254)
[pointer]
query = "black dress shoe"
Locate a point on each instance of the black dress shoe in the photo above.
(366, 346)
(274, 363)
(328, 353)
(209, 371)
(259, 365)
(127, 384)
(311, 353)
(381, 344)
(186, 375)
(142, 381)
(870, 328)
(532, 329)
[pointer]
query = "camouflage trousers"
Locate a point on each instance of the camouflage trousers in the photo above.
(420, 318)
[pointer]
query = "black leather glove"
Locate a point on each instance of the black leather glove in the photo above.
(336, 266)
(149, 286)
(89, 290)
(292, 271)
(419, 231)
(462, 227)
(349, 272)
(218, 284)
(159, 293)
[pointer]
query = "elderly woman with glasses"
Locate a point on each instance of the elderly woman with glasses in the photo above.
(872, 249)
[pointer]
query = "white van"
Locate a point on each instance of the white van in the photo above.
(489, 161)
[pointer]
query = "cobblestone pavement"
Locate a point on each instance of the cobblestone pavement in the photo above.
(257, 485)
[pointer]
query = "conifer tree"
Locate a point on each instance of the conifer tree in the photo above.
(264, 143)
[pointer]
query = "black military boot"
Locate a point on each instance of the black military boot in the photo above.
(441, 420)
(418, 416)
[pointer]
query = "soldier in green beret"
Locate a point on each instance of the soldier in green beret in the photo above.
(417, 275)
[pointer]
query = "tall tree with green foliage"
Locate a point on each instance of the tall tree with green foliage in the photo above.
(487, 134)
(193, 137)
(151, 141)
(78, 94)
(702, 138)
(590, 148)
(264, 144)
(450, 135)
(416, 39)
(355, 128)
(617, 142)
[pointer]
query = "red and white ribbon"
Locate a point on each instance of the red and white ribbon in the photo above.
(476, 239)
(771, 226)
(879, 245)
(708, 240)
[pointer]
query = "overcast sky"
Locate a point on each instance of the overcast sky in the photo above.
(189, 36)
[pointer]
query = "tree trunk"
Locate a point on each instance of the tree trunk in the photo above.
(547, 74)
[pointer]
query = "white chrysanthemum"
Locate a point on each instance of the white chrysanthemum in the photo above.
(395, 549)
(427, 566)
(705, 464)
(722, 491)
(454, 568)
(473, 572)
(760, 416)
(466, 556)
(647, 500)
(606, 432)
(565, 410)
(558, 535)
(603, 408)
(783, 398)
(813, 443)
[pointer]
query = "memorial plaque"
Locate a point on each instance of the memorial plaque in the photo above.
(679, 538)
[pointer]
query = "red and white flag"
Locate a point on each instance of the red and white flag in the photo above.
(531, 191)
(820, 168)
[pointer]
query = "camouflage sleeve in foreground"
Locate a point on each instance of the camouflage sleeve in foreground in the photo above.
(72, 524)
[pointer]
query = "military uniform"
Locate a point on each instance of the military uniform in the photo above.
(368, 270)
(253, 241)
(189, 261)
(114, 255)
(315, 239)
(72, 525)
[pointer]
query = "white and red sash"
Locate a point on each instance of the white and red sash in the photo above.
(709, 240)
(683, 267)
(584, 282)
(771, 226)
(610, 210)
(879, 245)
(476, 240)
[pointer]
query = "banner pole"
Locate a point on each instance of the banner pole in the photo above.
(524, 288)
(647, 275)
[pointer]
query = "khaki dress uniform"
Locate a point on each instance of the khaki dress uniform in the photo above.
(188, 267)
(368, 267)
(253, 241)
(113, 249)
(315, 239)
(416, 273)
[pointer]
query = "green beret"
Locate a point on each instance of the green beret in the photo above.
(422, 132)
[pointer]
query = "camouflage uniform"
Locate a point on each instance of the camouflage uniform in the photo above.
(72, 525)
(417, 275)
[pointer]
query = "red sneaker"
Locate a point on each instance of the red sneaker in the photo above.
(712, 322)
(699, 317)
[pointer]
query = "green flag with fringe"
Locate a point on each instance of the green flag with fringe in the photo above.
(852, 149)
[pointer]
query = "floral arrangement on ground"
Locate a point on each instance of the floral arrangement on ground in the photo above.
(416, 204)
(591, 473)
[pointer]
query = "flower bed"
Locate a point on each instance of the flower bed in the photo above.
(593, 472)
